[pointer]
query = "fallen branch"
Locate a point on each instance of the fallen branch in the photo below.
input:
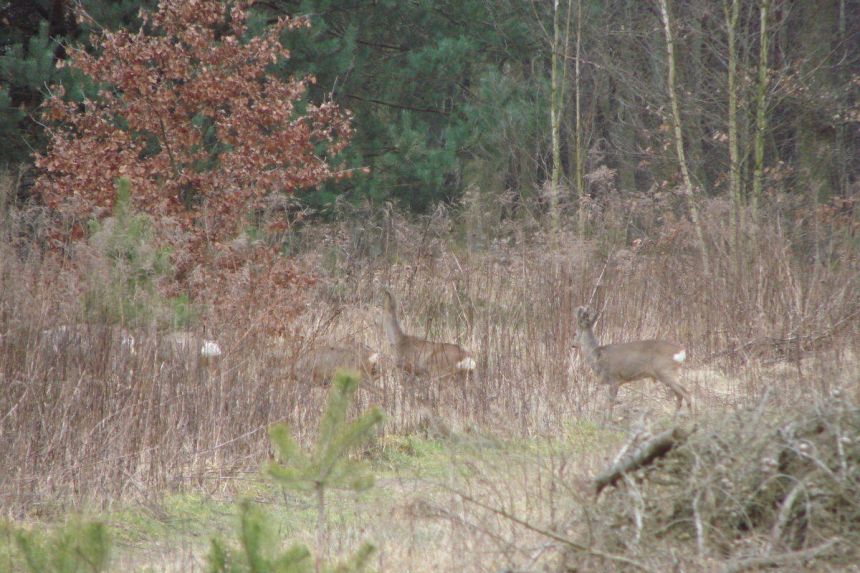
(642, 456)
(553, 535)
(779, 559)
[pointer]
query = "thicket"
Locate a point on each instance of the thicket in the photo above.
(752, 489)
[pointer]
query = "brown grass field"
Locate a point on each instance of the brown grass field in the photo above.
(488, 475)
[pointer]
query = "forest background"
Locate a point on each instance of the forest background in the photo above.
(452, 96)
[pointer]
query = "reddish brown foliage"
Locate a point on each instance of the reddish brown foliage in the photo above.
(188, 112)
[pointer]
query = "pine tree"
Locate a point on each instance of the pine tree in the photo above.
(34, 36)
(123, 291)
(423, 81)
(78, 547)
(327, 466)
(256, 552)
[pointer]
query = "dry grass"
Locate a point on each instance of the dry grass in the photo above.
(779, 312)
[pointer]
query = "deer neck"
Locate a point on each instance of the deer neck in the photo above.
(392, 327)
(588, 345)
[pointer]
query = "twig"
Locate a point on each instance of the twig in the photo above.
(697, 514)
(776, 560)
(599, 280)
(638, 507)
(785, 514)
(553, 535)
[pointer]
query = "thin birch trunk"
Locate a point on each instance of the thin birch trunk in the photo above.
(679, 139)
(760, 109)
(558, 77)
(580, 164)
(555, 120)
(731, 13)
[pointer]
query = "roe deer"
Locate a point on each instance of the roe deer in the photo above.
(422, 357)
(87, 339)
(186, 344)
(319, 363)
(617, 364)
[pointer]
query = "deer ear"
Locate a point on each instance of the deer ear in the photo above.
(584, 316)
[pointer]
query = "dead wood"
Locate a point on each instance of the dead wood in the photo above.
(641, 456)
(791, 557)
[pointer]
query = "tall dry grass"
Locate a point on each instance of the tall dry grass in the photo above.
(93, 420)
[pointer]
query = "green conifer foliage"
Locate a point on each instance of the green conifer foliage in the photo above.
(76, 548)
(327, 465)
(33, 37)
(414, 74)
(26, 67)
(122, 289)
(256, 552)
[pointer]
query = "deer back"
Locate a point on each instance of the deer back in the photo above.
(641, 359)
(319, 364)
(436, 358)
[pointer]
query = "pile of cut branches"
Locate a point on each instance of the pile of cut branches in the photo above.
(760, 487)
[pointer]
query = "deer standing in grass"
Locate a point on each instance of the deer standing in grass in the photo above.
(320, 363)
(617, 364)
(422, 357)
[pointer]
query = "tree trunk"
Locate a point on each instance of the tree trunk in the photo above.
(843, 154)
(815, 137)
(642, 456)
(760, 109)
(679, 139)
(697, 127)
(556, 100)
(731, 14)
(580, 164)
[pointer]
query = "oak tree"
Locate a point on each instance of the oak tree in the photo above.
(190, 112)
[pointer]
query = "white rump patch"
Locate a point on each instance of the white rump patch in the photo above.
(373, 358)
(680, 356)
(127, 342)
(210, 349)
(466, 364)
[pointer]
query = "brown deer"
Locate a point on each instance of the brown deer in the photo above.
(617, 364)
(422, 357)
(318, 364)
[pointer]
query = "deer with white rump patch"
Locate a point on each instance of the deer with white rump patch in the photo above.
(617, 364)
(422, 357)
(320, 363)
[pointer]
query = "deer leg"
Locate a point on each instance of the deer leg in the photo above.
(463, 382)
(613, 394)
(680, 392)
